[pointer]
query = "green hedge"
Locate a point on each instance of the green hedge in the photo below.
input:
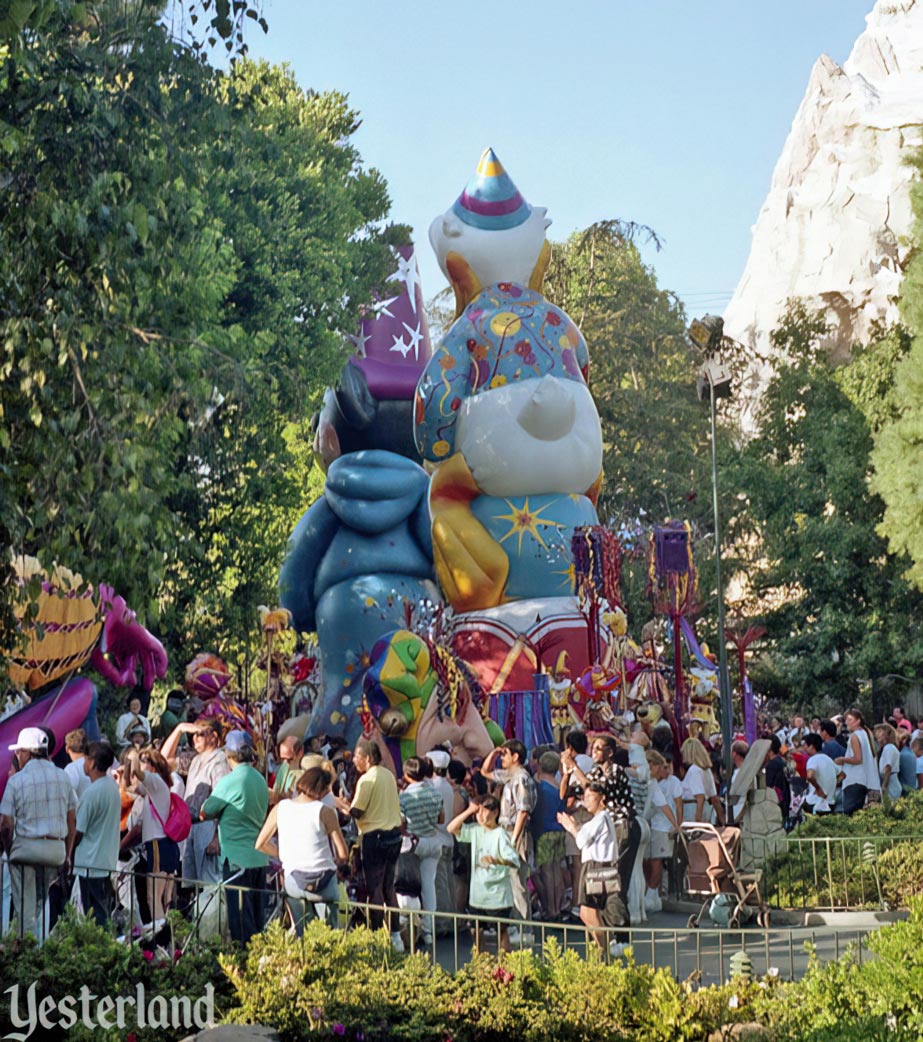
(354, 987)
(333, 986)
(903, 818)
(79, 953)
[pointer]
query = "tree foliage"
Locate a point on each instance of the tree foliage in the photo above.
(898, 452)
(837, 609)
(177, 249)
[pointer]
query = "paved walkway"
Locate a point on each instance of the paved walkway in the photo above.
(667, 941)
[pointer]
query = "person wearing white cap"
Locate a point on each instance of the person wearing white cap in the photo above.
(38, 821)
(445, 878)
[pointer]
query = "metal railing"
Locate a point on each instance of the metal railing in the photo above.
(703, 954)
(831, 873)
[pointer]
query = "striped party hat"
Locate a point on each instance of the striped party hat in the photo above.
(490, 199)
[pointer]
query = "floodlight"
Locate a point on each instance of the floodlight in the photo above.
(706, 332)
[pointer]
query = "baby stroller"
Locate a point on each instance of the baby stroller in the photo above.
(730, 896)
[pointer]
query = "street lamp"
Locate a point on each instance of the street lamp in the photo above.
(714, 381)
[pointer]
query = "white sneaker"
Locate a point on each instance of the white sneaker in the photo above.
(652, 901)
(397, 942)
(616, 949)
(513, 934)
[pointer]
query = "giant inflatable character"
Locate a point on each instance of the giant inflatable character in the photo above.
(363, 550)
(66, 624)
(504, 415)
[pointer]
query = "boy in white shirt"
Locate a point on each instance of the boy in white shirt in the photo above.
(821, 773)
(666, 813)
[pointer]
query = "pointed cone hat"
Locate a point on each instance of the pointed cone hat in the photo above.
(490, 200)
(393, 344)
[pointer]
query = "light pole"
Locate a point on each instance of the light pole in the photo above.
(714, 378)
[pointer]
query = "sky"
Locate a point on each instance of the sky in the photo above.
(670, 113)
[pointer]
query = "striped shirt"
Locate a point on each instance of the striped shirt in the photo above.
(38, 798)
(421, 806)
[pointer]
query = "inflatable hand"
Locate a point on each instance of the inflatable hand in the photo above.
(125, 645)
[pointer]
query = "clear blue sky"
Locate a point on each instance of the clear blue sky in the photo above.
(671, 114)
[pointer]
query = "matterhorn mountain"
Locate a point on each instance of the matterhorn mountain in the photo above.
(835, 225)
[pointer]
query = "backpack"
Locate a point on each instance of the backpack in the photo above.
(179, 820)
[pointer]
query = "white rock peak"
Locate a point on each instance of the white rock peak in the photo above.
(835, 225)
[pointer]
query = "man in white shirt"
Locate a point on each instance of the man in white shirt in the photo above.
(76, 745)
(38, 819)
(131, 721)
(445, 889)
(797, 730)
(821, 775)
(578, 743)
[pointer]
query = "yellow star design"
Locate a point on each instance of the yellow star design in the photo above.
(524, 520)
(569, 581)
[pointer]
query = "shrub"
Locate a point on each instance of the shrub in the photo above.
(902, 818)
(901, 873)
(354, 986)
(79, 953)
(879, 998)
(335, 983)
(842, 874)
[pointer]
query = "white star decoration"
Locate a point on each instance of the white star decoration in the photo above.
(400, 345)
(381, 307)
(360, 341)
(408, 274)
(415, 337)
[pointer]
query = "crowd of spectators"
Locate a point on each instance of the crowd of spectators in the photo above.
(581, 833)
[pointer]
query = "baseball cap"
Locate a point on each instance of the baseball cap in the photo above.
(237, 740)
(30, 738)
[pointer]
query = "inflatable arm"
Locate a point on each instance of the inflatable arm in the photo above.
(125, 645)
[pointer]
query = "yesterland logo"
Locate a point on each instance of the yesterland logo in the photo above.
(29, 1012)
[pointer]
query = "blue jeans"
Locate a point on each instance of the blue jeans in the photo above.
(197, 865)
(98, 898)
(428, 853)
(304, 903)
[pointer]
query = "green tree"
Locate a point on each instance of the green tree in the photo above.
(177, 248)
(836, 607)
(898, 453)
(291, 194)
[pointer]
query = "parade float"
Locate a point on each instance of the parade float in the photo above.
(505, 419)
(65, 625)
(454, 570)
